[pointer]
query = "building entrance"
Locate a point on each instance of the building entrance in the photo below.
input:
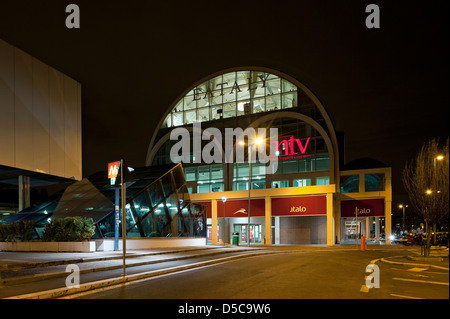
(255, 233)
(352, 230)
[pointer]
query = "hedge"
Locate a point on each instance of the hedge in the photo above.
(63, 229)
(69, 229)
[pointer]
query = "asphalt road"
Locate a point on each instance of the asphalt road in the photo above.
(315, 274)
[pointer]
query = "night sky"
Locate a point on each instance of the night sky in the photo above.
(386, 89)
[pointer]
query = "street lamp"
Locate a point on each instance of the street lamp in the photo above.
(224, 199)
(403, 207)
(256, 142)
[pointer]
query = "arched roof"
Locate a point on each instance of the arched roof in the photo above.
(238, 92)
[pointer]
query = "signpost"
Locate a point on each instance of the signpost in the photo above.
(114, 170)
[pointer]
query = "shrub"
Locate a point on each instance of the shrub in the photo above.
(23, 230)
(69, 229)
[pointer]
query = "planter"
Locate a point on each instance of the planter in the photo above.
(83, 246)
(149, 243)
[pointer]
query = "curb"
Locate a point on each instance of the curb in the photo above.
(40, 264)
(62, 292)
(42, 276)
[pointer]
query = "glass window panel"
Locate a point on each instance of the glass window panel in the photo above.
(191, 116)
(258, 169)
(203, 173)
(305, 165)
(302, 182)
(172, 205)
(141, 206)
(322, 163)
(229, 110)
(374, 182)
(288, 86)
(168, 121)
(190, 173)
(242, 169)
(215, 112)
(258, 184)
(323, 180)
(167, 184)
(215, 81)
(273, 86)
(350, 184)
(216, 171)
(155, 194)
(189, 103)
(228, 79)
(179, 106)
(273, 102)
(148, 225)
(203, 101)
(228, 96)
(259, 105)
(203, 114)
(216, 98)
(244, 94)
(260, 91)
(280, 184)
(242, 78)
(243, 107)
(203, 188)
(177, 119)
(217, 187)
(240, 186)
(289, 100)
(290, 166)
(178, 176)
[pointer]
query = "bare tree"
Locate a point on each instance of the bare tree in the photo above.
(426, 180)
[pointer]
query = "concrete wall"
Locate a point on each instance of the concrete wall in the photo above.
(40, 116)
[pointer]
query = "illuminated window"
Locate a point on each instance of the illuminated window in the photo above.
(233, 94)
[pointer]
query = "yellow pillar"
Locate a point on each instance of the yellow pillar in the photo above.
(214, 221)
(268, 212)
(388, 221)
(330, 220)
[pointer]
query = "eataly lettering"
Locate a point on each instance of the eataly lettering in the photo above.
(198, 92)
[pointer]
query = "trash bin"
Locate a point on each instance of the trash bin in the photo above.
(236, 238)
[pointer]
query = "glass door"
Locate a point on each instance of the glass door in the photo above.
(255, 233)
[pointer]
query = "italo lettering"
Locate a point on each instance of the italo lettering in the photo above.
(298, 209)
(362, 211)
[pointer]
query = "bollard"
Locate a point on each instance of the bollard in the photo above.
(363, 243)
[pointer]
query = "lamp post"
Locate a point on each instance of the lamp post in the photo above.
(403, 207)
(224, 199)
(256, 142)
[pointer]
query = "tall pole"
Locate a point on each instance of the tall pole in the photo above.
(403, 218)
(117, 217)
(124, 221)
(249, 188)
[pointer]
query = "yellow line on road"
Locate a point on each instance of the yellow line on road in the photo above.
(409, 297)
(423, 281)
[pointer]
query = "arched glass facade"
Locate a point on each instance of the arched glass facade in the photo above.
(238, 99)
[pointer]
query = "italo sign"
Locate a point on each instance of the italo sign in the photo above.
(300, 205)
(362, 208)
